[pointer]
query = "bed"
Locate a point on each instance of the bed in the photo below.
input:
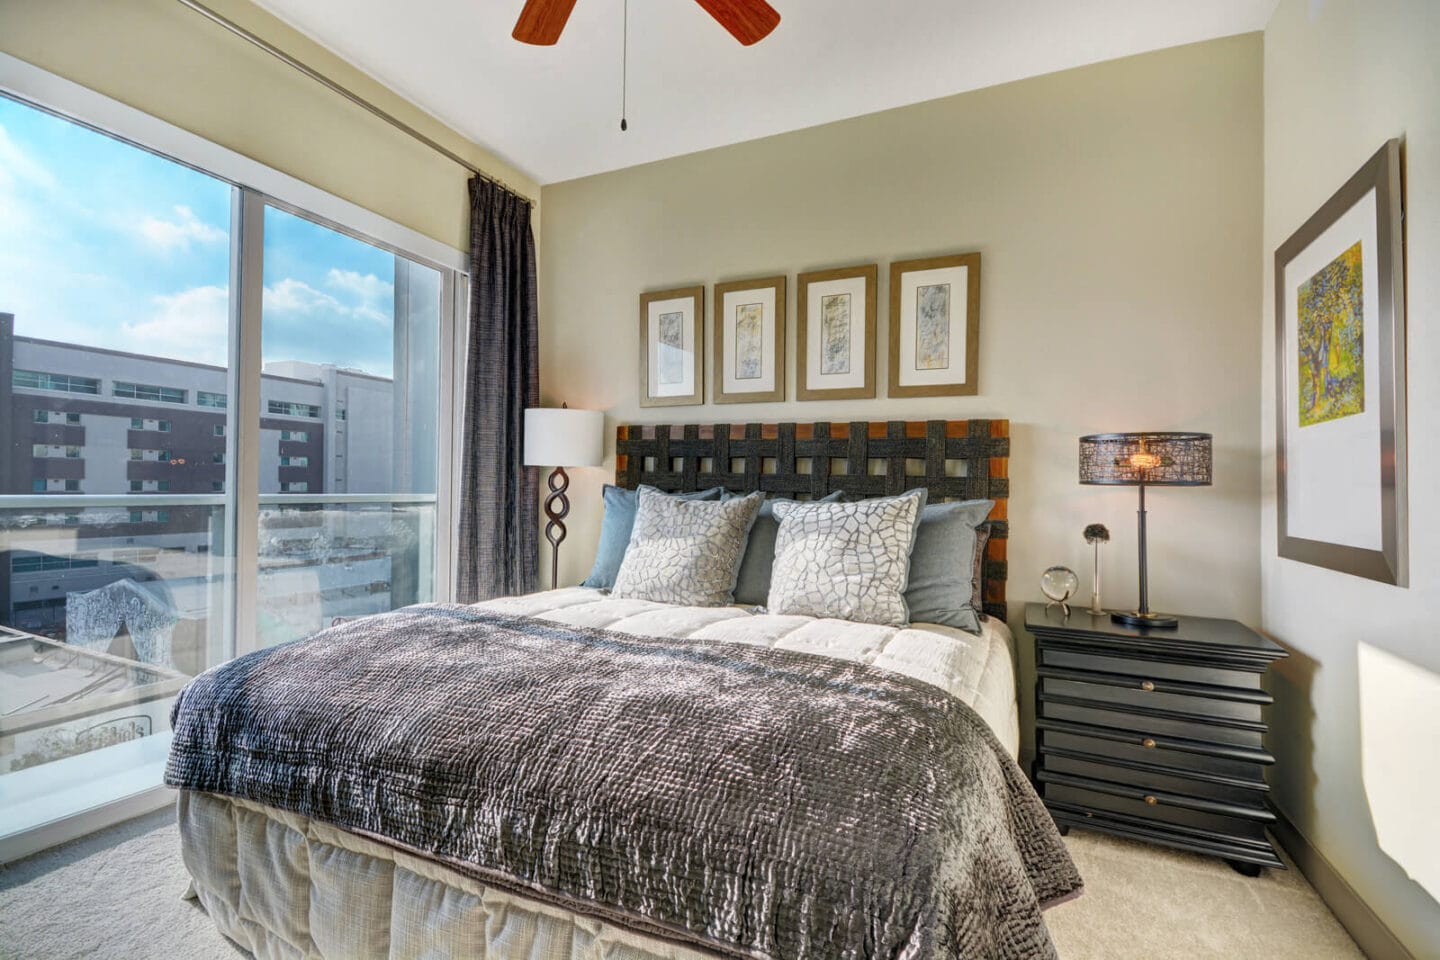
(290, 868)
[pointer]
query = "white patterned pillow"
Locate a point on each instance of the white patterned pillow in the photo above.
(686, 551)
(845, 560)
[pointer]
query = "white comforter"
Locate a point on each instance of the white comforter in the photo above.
(978, 670)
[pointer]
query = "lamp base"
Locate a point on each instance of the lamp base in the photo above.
(1136, 619)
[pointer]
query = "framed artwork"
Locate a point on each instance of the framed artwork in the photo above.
(750, 341)
(1340, 381)
(934, 326)
(672, 325)
(836, 336)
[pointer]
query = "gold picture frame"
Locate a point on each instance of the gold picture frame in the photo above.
(749, 341)
(672, 347)
(836, 361)
(927, 297)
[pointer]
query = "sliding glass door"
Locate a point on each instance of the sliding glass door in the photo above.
(224, 422)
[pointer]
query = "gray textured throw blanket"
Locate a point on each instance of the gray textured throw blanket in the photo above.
(749, 801)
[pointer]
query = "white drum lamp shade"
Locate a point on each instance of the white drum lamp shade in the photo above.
(564, 438)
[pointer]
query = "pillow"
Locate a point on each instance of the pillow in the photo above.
(845, 560)
(942, 566)
(752, 587)
(686, 551)
(615, 529)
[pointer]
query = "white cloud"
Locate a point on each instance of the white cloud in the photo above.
(193, 324)
(179, 233)
(18, 166)
(297, 296)
(367, 286)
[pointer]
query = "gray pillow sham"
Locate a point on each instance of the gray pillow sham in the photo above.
(686, 551)
(850, 561)
(616, 526)
(942, 565)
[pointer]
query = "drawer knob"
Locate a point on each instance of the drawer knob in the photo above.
(1147, 685)
(1151, 800)
(1148, 743)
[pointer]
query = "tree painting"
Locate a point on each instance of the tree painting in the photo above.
(1331, 341)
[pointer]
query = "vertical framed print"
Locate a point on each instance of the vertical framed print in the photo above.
(934, 326)
(749, 357)
(836, 334)
(1340, 381)
(672, 325)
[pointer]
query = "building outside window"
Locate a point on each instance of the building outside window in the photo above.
(41, 416)
(147, 391)
(36, 380)
(219, 430)
(285, 408)
(205, 398)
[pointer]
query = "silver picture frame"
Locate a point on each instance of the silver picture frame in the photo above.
(1390, 563)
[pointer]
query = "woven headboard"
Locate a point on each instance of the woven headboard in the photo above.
(951, 459)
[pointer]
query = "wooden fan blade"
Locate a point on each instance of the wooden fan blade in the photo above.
(748, 21)
(542, 21)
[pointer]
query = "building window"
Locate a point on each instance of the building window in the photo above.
(340, 413)
(72, 453)
(136, 486)
(137, 454)
(217, 457)
(163, 516)
(162, 455)
(218, 486)
(37, 486)
(136, 516)
(147, 391)
(219, 430)
(39, 451)
(136, 423)
(72, 486)
(42, 416)
(285, 408)
(36, 380)
(163, 486)
(299, 436)
(294, 461)
(163, 426)
(72, 418)
(296, 486)
(207, 399)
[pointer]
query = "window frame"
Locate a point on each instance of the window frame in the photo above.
(254, 186)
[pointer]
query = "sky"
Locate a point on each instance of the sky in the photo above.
(108, 245)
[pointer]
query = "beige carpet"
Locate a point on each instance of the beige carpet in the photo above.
(116, 894)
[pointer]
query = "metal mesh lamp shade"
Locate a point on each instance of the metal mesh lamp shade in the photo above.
(1146, 460)
(562, 438)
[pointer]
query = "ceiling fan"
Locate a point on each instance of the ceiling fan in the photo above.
(748, 21)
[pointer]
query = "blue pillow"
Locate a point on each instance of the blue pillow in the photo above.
(752, 587)
(619, 520)
(942, 565)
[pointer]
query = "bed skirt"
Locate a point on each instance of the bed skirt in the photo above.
(286, 887)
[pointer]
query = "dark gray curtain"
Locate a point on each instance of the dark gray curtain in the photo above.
(498, 508)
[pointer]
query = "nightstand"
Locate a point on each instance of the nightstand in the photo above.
(1155, 734)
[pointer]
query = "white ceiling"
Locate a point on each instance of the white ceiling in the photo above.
(554, 112)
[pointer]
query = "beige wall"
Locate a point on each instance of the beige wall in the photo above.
(164, 59)
(1342, 77)
(1117, 208)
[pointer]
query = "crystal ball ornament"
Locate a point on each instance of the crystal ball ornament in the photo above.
(1059, 585)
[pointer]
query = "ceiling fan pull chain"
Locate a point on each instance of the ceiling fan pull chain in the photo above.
(624, 61)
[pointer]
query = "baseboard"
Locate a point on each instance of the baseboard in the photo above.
(19, 845)
(1354, 914)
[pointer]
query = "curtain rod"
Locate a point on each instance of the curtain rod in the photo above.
(348, 94)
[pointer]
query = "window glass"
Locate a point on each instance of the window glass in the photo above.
(346, 327)
(114, 290)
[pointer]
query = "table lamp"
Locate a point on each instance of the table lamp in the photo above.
(562, 438)
(1146, 460)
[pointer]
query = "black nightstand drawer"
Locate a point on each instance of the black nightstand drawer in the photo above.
(1222, 761)
(1166, 808)
(1192, 702)
(1157, 669)
(1150, 777)
(1237, 733)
